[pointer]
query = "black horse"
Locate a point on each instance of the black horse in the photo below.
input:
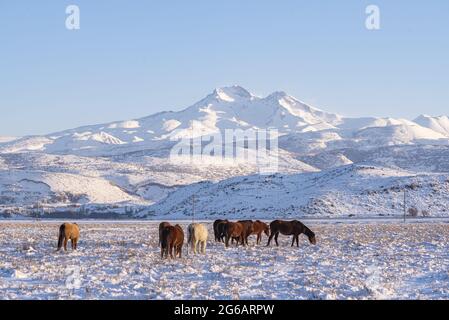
(219, 230)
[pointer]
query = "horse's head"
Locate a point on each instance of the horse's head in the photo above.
(266, 230)
(312, 239)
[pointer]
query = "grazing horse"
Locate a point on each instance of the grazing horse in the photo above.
(234, 230)
(289, 228)
(258, 228)
(68, 231)
(162, 225)
(247, 229)
(221, 229)
(172, 239)
(218, 230)
(197, 234)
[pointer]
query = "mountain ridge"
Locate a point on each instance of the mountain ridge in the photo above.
(227, 108)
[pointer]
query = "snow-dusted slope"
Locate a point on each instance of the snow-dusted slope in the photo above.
(438, 124)
(347, 190)
(32, 187)
(397, 135)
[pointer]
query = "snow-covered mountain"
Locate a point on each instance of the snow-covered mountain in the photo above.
(123, 166)
(236, 108)
(225, 108)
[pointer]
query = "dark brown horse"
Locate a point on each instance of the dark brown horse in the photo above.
(247, 229)
(162, 225)
(234, 230)
(219, 230)
(258, 228)
(288, 228)
(222, 230)
(172, 239)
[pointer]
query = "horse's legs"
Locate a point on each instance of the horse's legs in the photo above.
(227, 241)
(76, 244)
(65, 243)
(192, 245)
(203, 246)
(293, 240)
(297, 240)
(171, 250)
(180, 251)
(270, 238)
(276, 238)
(195, 246)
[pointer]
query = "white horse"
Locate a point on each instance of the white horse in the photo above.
(197, 234)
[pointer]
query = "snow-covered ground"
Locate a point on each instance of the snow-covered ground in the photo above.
(120, 260)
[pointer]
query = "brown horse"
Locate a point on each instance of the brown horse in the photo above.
(289, 228)
(234, 230)
(162, 225)
(258, 228)
(219, 230)
(172, 239)
(68, 231)
(247, 229)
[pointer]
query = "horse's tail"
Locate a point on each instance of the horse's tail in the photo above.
(61, 236)
(190, 232)
(164, 238)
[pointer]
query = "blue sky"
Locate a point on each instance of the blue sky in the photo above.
(134, 58)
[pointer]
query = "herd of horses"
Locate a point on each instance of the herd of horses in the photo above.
(171, 237)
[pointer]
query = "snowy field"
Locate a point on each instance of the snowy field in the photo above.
(121, 260)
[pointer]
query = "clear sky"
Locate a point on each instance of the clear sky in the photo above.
(134, 58)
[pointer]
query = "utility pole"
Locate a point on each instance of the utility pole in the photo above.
(193, 209)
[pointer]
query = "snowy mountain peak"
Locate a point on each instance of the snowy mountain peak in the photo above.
(279, 95)
(232, 94)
